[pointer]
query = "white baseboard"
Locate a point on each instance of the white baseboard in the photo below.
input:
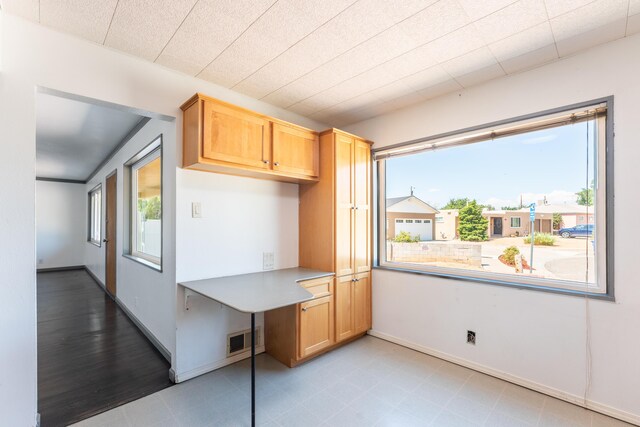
(192, 373)
(550, 391)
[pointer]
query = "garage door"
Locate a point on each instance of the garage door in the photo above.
(416, 227)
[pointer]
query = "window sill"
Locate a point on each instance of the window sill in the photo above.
(97, 244)
(146, 263)
(514, 285)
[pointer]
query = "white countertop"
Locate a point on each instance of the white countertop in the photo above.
(258, 292)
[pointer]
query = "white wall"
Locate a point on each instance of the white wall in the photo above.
(61, 224)
(538, 338)
(147, 293)
(35, 56)
(241, 219)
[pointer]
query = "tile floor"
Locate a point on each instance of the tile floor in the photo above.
(370, 382)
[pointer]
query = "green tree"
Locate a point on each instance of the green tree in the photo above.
(461, 202)
(473, 226)
(509, 208)
(557, 221)
(457, 203)
(585, 196)
(150, 208)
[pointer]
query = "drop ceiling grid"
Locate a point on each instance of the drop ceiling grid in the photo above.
(442, 48)
(324, 58)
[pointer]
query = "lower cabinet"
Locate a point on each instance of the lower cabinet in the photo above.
(299, 331)
(339, 312)
(353, 305)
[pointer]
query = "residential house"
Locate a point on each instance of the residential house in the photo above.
(412, 215)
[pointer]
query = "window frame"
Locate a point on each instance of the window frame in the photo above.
(519, 222)
(90, 217)
(603, 213)
(145, 156)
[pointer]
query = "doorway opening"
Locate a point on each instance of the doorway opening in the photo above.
(96, 349)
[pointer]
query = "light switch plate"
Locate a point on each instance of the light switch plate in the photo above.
(268, 260)
(196, 210)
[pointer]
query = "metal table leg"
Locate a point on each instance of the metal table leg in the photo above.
(253, 369)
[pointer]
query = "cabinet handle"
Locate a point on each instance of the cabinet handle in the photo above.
(304, 308)
(356, 208)
(266, 162)
(276, 164)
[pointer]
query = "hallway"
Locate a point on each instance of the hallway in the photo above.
(91, 356)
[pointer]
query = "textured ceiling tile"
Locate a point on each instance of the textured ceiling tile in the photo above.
(455, 44)
(392, 91)
(28, 9)
(435, 21)
(633, 25)
(411, 62)
(481, 75)
(512, 19)
(427, 78)
(585, 40)
(588, 18)
(282, 26)
(477, 9)
(358, 28)
(440, 89)
(143, 27)
(476, 60)
(529, 40)
(530, 59)
(78, 17)
(558, 7)
(208, 30)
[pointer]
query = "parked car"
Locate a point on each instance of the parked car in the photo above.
(577, 231)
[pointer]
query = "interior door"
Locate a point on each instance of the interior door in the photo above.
(110, 235)
(344, 204)
(362, 202)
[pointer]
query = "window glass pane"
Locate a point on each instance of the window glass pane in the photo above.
(148, 215)
(479, 197)
(95, 213)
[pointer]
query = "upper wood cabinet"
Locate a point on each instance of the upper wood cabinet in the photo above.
(220, 137)
(335, 214)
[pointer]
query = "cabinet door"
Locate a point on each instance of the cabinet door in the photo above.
(295, 150)
(316, 325)
(344, 306)
(344, 204)
(362, 202)
(235, 136)
(362, 303)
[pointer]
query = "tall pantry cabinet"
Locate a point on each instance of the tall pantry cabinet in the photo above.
(335, 227)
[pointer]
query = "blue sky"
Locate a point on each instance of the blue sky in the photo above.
(549, 162)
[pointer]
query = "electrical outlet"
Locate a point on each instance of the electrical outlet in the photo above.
(268, 260)
(471, 337)
(196, 210)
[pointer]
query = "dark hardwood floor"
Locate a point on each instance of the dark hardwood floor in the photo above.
(91, 356)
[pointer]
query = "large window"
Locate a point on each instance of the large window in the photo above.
(95, 216)
(522, 202)
(146, 205)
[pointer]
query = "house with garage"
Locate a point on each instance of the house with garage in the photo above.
(412, 215)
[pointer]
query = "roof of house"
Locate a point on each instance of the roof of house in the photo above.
(411, 198)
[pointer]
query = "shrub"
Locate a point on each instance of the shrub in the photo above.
(405, 237)
(543, 239)
(509, 255)
(473, 226)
